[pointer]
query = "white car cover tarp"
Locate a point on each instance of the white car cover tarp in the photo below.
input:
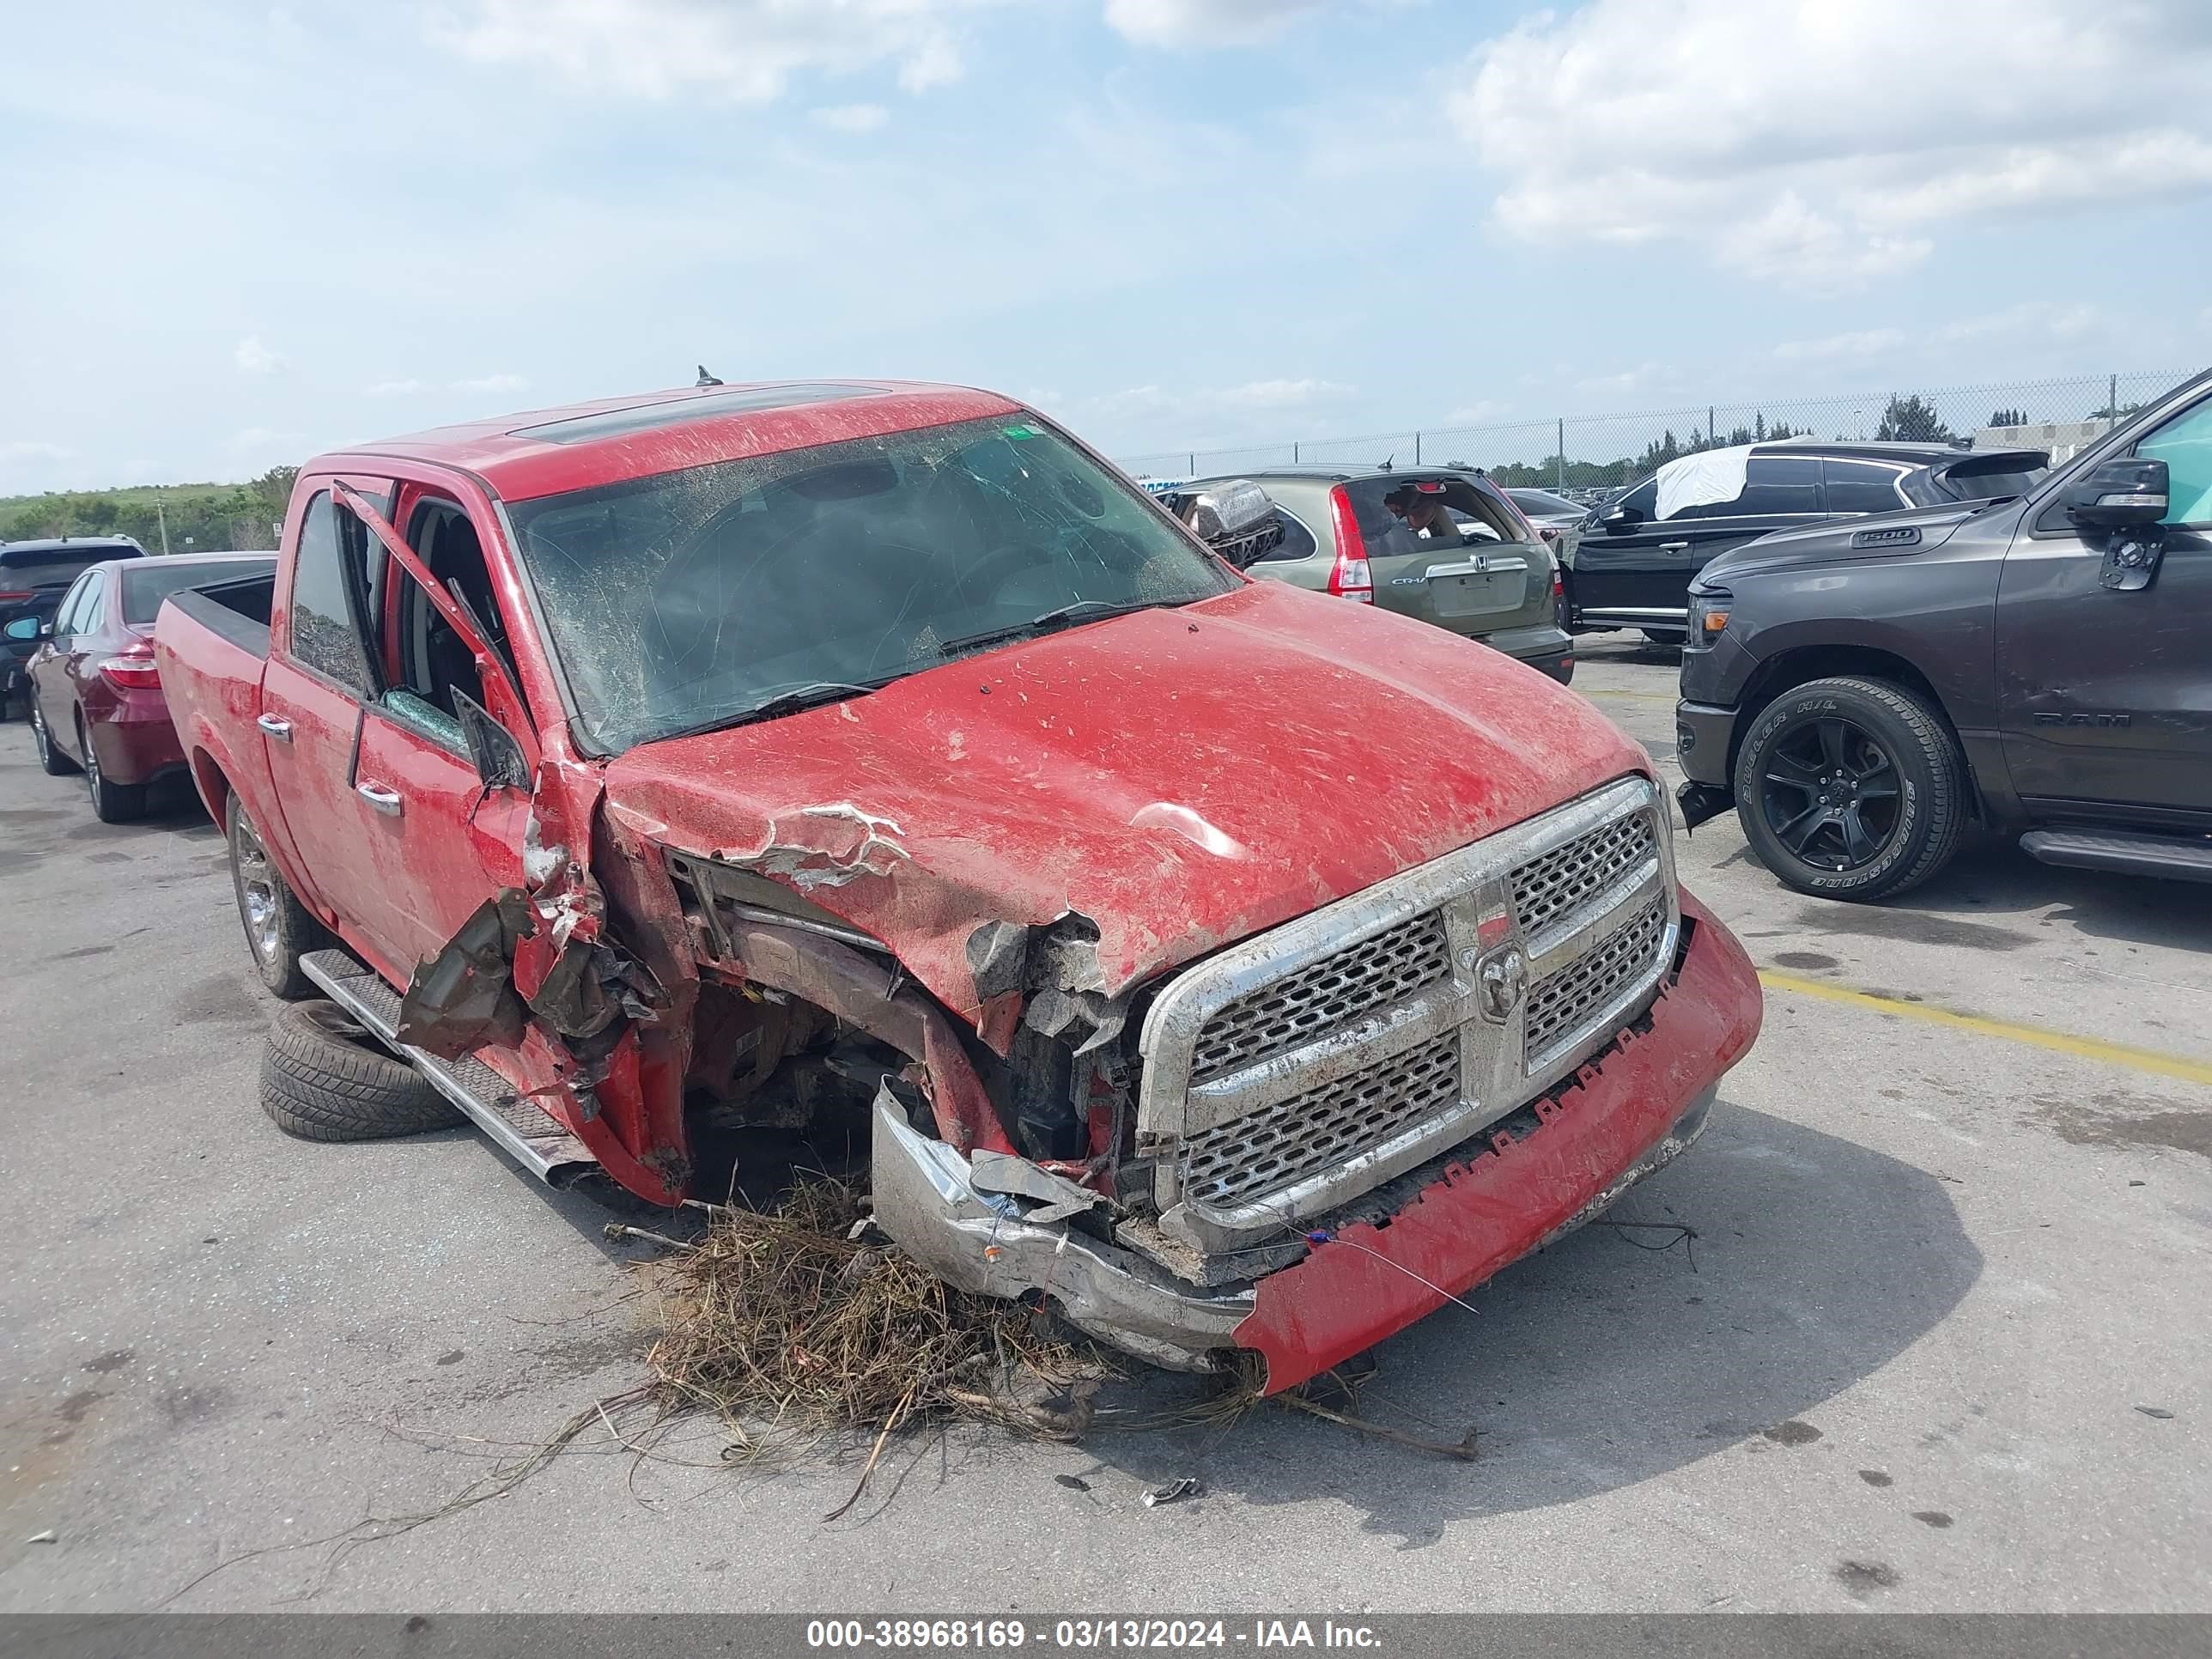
(1705, 479)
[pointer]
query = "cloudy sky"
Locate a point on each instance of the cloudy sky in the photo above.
(238, 233)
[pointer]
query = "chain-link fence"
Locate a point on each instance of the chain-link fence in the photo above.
(1597, 453)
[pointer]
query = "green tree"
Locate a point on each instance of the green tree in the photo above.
(1913, 420)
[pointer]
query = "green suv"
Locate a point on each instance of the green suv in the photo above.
(1440, 543)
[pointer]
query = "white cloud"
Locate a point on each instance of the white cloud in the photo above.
(1824, 147)
(254, 358)
(749, 51)
(1864, 342)
(396, 388)
(1253, 396)
(852, 118)
(257, 448)
(1277, 394)
(1204, 22)
(30, 449)
(492, 383)
(1644, 377)
(2046, 319)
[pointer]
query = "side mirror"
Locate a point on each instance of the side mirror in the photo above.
(27, 629)
(2119, 495)
(492, 748)
(1620, 518)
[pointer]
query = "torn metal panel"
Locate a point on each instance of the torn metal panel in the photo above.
(1117, 773)
(464, 998)
(825, 847)
(926, 1197)
(865, 992)
(1057, 1196)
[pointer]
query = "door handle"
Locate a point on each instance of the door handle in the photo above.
(280, 730)
(385, 801)
(1673, 547)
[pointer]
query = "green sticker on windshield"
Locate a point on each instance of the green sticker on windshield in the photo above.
(1022, 429)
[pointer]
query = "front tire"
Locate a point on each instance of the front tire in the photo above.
(1852, 789)
(111, 802)
(51, 760)
(279, 929)
(322, 1078)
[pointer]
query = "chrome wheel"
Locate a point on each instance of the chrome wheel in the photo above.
(45, 749)
(91, 766)
(257, 891)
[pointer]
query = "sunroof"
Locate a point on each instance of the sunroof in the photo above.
(650, 417)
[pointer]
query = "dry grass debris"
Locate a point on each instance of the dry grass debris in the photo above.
(789, 1330)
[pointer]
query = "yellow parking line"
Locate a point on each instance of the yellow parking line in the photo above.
(2117, 1054)
(1633, 697)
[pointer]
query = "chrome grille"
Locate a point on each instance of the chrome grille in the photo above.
(1420, 1058)
(1250, 1157)
(1560, 1005)
(1548, 887)
(1331, 992)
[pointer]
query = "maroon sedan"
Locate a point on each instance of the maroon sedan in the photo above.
(96, 701)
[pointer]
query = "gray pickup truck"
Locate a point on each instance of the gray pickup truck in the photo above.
(1861, 691)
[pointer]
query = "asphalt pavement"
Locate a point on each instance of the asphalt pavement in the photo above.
(1943, 1340)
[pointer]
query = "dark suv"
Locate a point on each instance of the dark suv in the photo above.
(2043, 667)
(1632, 566)
(33, 576)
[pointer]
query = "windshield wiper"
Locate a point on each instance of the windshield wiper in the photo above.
(812, 695)
(1067, 616)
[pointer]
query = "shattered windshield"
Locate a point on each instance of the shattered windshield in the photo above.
(748, 588)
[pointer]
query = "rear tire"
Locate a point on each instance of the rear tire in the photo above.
(322, 1078)
(51, 760)
(279, 929)
(1674, 639)
(111, 802)
(1852, 789)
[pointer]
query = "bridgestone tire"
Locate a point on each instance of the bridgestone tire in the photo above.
(324, 1078)
(1933, 800)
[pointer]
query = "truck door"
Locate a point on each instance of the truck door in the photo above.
(2106, 697)
(1633, 568)
(312, 691)
(439, 841)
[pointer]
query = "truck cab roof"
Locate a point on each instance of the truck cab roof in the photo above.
(612, 440)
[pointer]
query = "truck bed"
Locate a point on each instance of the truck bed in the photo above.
(210, 646)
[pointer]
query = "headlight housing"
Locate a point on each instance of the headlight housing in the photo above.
(1708, 615)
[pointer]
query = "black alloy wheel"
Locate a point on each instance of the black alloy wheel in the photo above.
(1852, 789)
(1829, 790)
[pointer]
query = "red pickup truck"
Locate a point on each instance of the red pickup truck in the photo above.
(1235, 967)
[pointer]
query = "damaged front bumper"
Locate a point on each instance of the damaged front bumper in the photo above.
(1388, 1258)
(926, 1200)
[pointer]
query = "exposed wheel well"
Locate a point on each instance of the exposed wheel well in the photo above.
(215, 788)
(1817, 662)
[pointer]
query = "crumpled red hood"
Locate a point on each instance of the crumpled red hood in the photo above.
(1183, 778)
